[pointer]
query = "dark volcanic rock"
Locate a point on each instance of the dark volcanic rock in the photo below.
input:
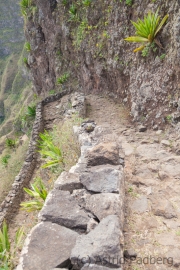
(61, 208)
(48, 245)
(100, 245)
(68, 181)
(103, 153)
(103, 179)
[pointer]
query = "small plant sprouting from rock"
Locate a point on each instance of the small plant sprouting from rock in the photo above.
(151, 46)
(27, 8)
(169, 118)
(25, 60)
(162, 56)
(147, 29)
(129, 2)
(73, 15)
(27, 46)
(63, 78)
(86, 3)
(39, 193)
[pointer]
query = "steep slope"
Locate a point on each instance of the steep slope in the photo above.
(13, 74)
(87, 42)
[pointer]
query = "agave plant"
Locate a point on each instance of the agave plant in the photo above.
(147, 30)
(31, 111)
(7, 250)
(39, 192)
(49, 151)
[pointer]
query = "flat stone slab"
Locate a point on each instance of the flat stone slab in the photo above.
(103, 153)
(47, 246)
(68, 181)
(140, 205)
(162, 207)
(61, 208)
(103, 205)
(100, 245)
(103, 179)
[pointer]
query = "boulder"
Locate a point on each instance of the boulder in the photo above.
(100, 246)
(68, 182)
(61, 208)
(103, 179)
(47, 246)
(103, 153)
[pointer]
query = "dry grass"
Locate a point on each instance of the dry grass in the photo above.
(9, 172)
(65, 139)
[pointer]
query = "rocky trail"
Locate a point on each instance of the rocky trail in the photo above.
(152, 186)
(152, 179)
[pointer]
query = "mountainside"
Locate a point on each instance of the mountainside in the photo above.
(13, 73)
(84, 41)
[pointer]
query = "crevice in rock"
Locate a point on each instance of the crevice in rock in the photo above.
(66, 264)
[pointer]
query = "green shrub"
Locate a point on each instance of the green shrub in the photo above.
(5, 159)
(10, 143)
(73, 15)
(129, 2)
(64, 2)
(147, 30)
(63, 78)
(39, 192)
(86, 3)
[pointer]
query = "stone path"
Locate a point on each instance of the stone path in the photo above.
(152, 184)
(152, 177)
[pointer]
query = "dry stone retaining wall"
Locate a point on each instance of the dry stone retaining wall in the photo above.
(11, 203)
(81, 223)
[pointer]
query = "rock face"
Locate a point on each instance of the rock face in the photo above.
(71, 208)
(106, 63)
(48, 245)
